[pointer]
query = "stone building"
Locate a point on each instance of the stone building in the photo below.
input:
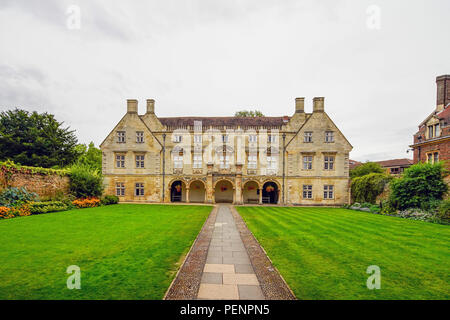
(432, 141)
(299, 160)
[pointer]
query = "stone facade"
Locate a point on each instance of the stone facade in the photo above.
(298, 160)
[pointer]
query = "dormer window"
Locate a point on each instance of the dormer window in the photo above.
(430, 132)
(308, 137)
(436, 130)
(177, 138)
(121, 136)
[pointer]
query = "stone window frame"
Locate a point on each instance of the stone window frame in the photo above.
(120, 189)
(198, 138)
(272, 161)
(252, 161)
(307, 191)
(307, 161)
(122, 160)
(253, 138)
(307, 137)
(139, 189)
(139, 160)
(197, 161)
(121, 136)
(140, 137)
(328, 192)
(177, 138)
(329, 136)
(329, 162)
(431, 155)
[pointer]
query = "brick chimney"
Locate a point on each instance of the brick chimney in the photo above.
(318, 104)
(443, 91)
(150, 106)
(299, 105)
(132, 106)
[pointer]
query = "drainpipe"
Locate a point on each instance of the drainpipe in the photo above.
(284, 165)
(164, 168)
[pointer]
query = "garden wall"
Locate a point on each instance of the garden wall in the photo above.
(45, 182)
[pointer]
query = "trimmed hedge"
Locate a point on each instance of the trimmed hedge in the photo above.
(9, 168)
(46, 207)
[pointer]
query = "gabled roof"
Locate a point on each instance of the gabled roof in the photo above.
(395, 162)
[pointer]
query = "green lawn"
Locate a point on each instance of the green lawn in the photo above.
(128, 251)
(323, 253)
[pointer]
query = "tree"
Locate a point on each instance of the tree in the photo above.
(422, 185)
(85, 181)
(89, 156)
(35, 139)
(248, 113)
(366, 168)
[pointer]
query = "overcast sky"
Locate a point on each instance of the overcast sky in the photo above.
(375, 62)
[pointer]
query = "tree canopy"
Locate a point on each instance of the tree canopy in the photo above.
(34, 139)
(248, 113)
(89, 156)
(366, 168)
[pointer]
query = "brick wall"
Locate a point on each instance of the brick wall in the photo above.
(44, 185)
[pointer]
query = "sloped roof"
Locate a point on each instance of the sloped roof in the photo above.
(396, 162)
(224, 121)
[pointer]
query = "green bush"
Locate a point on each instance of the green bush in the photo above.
(15, 197)
(443, 211)
(109, 199)
(375, 209)
(366, 188)
(420, 187)
(46, 207)
(387, 208)
(366, 168)
(85, 181)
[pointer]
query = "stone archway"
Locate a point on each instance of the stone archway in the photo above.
(197, 191)
(177, 191)
(270, 193)
(250, 192)
(224, 192)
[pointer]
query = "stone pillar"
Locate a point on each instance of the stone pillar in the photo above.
(209, 184)
(187, 195)
(260, 196)
(238, 187)
(234, 195)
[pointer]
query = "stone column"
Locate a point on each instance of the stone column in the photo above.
(238, 187)
(187, 195)
(209, 184)
(260, 196)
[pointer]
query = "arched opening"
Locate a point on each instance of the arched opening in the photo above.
(250, 192)
(197, 191)
(223, 192)
(178, 191)
(270, 193)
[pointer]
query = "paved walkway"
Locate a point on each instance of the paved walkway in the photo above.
(228, 273)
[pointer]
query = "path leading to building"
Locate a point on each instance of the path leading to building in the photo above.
(228, 272)
(227, 262)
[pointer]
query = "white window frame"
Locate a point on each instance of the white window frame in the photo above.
(121, 137)
(328, 192)
(329, 136)
(308, 162)
(178, 161)
(120, 161)
(140, 161)
(307, 191)
(198, 138)
(308, 137)
(139, 136)
(328, 163)
(252, 162)
(271, 138)
(177, 138)
(253, 138)
(197, 161)
(224, 161)
(272, 162)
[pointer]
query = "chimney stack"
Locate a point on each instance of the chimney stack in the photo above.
(132, 106)
(443, 91)
(299, 105)
(318, 104)
(151, 106)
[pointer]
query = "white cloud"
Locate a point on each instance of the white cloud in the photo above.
(215, 57)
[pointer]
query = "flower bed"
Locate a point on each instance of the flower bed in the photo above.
(86, 202)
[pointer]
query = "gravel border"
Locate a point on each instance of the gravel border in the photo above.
(186, 284)
(272, 283)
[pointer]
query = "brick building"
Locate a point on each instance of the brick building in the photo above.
(301, 159)
(432, 141)
(395, 166)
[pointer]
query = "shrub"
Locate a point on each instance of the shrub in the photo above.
(443, 212)
(109, 199)
(48, 206)
(85, 181)
(366, 168)
(86, 202)
(387, 208)
(16, 197)
(417, 214)
(368, 187)
(5, 213)
(21, 211)
(421, 185)
(375, 209)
